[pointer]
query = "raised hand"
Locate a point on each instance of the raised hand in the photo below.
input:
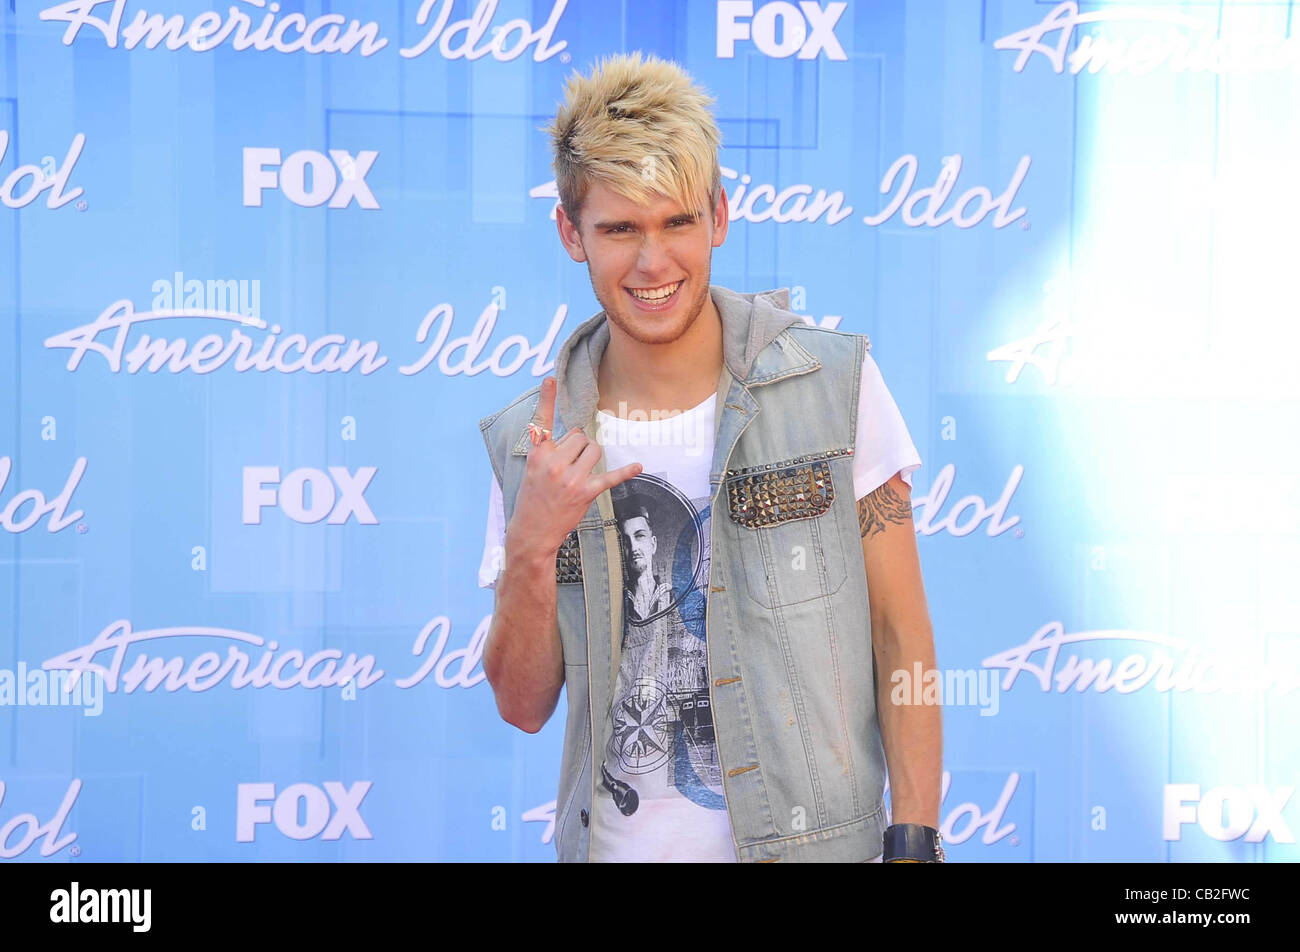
(558, 485)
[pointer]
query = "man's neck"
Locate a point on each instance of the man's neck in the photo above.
(664, 377)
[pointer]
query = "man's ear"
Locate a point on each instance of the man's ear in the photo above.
(721, 218)
(570, 236)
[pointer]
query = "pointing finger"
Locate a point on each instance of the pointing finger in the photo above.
(616, 476)
(544, 415)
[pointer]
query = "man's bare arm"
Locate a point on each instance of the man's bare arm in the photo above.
(522, 656)
(901, 635)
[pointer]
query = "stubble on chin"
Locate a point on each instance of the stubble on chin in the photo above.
(626, 318)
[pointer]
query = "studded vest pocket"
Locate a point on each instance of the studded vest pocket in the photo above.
(772, 496)
(788, 537)
(568, 561)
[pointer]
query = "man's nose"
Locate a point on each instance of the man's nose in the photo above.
(653, 256)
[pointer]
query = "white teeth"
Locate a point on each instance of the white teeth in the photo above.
(652, 298)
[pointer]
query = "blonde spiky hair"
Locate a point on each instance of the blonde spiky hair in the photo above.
(638, 127)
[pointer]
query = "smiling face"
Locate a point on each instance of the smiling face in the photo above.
(651, 249)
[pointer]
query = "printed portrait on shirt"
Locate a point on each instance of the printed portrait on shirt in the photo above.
(661, 740)
(659, 534)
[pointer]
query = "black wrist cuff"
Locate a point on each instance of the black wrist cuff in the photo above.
(912, 841)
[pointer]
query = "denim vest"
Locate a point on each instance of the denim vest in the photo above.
(788, 629)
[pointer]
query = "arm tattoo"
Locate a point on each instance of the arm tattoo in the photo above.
(882, 506)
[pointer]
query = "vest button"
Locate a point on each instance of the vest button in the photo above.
(582, 815)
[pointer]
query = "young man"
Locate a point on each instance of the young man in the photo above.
(738, 713)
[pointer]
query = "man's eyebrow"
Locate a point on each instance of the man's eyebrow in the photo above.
(692, 216)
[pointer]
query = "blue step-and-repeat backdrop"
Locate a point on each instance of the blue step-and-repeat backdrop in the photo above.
(263, 267)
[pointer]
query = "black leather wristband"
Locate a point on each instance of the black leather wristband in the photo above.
(912, 842)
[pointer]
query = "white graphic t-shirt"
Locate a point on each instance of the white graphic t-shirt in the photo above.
(659, 782)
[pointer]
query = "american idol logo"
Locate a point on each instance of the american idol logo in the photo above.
(116, 336)
(472, 353)
(244, 659)
(27, 507)
(24, 184)
(1181, 42)
(962, 820)
(758, 202)
(923, 206)
(19, 832)
(968, 513)
(243, 342)
(261, 27)
(1058, 661)
(250, 25)
(463, 38)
